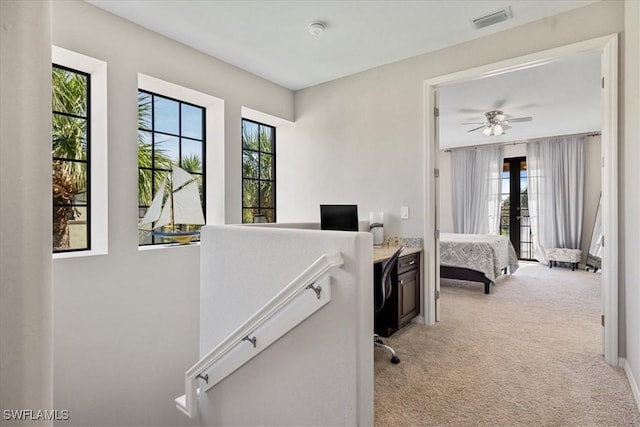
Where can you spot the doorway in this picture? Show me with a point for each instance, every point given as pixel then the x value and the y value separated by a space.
pixel 514 207
pixel 607 48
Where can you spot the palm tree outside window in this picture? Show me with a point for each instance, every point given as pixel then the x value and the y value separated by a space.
pixel 258 172
pixel 170 132
pixel 70 153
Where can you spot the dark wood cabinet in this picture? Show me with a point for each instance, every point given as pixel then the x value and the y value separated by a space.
pixel 404 303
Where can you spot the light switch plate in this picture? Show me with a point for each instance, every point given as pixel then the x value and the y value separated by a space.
pixel 404 212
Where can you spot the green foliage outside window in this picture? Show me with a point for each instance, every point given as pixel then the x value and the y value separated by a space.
pixel 170 132
pixel 258 171
pixel 70 159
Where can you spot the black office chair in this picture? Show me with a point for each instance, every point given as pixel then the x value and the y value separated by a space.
pixel 386 286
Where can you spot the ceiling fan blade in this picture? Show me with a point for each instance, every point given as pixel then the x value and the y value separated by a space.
pixel 473 123
pixel 479 127
pixel 505 127
pixel 519 119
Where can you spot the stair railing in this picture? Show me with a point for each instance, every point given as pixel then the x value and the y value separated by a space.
pixel 233 351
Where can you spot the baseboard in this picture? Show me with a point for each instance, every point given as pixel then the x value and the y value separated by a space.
pixel 632 381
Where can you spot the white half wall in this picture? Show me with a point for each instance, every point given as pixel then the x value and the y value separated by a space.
pixel 320 372
pixel 126 324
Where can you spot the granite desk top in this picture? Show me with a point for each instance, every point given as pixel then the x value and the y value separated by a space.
pixel 383 253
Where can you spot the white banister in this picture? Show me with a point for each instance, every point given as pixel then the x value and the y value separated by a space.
pixel 257 333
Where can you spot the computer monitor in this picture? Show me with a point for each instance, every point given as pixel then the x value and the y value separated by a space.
pixel 339 217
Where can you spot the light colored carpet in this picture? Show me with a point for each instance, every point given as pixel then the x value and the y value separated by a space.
pixel 528 354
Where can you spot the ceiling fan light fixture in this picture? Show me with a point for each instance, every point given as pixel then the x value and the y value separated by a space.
pixel 496 123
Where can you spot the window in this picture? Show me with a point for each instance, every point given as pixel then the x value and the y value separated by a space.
pixel 70 154
pixel 170 133
pixel 79 154
pixel 514 211
pixel 258 172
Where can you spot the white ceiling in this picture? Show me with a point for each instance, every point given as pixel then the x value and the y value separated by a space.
pixel 270 38
pixel 562 98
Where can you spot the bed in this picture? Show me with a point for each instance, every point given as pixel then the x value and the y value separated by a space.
pixel 476 257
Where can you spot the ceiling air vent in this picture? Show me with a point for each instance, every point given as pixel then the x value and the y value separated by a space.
pixel 492 18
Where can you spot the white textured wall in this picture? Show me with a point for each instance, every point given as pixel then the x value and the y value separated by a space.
pixel 321 372
pixel 25 209
pixel 631 196
pixel 126 324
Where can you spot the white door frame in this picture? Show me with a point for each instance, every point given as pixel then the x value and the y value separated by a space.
pixel 608 47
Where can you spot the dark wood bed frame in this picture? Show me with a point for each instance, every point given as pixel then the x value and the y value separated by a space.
pixel 462 273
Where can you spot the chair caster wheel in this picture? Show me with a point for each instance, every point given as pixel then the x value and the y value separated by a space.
pixel 395 360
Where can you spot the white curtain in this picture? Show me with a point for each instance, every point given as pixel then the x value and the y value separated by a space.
pixel 556 193
pixel 476 178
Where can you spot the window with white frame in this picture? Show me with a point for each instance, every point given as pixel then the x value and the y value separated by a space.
pixel 78 154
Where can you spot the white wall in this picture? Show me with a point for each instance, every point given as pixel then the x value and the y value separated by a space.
pixel 631 195
pixel 25 209
pixel 354 141
pixel 126 324
pixel 320 372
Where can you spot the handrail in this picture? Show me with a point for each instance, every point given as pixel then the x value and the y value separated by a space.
pixel 306 280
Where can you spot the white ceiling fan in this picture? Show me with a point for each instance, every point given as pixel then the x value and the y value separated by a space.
pixel 496 123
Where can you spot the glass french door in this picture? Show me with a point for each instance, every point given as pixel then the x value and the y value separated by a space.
pixel 514 208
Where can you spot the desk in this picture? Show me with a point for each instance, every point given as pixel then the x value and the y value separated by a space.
pixel 383 253
pixel 404 302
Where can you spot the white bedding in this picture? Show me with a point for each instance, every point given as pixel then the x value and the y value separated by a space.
pixel 488 254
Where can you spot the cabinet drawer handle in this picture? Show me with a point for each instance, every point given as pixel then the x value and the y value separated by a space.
pixel 401 282
pixel 412 262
